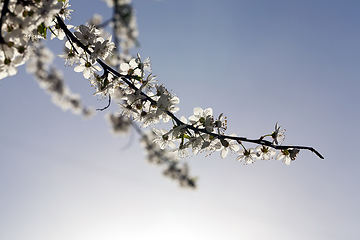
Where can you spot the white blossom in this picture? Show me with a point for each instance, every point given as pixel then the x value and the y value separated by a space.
pixel 287 155
pixel 87 34
pixel 203 118
pixel 278 135
pixel 102 48
pixel 228 146
pixel 247 156
pixel 163 138
pixel 166 103
pixel 181 151
pixel 87 68
pixel 264 152
pixel 130 68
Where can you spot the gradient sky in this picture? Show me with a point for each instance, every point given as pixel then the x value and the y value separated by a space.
pixel 258 62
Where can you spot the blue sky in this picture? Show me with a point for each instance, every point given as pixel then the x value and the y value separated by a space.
pixel 258 62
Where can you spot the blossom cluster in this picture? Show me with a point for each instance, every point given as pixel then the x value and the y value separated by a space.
pixel 52 81
pixel 125 26
pixel 159 156
pixel 203 133
pixel 22 22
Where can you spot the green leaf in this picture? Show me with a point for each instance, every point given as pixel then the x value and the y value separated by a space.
pixel 105 83
pixel 42 29
pixel 186 136
pixel 136 78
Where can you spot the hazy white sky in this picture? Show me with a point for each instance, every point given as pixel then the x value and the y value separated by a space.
pixel 258 62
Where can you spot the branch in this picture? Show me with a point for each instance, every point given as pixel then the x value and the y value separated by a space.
pixel 178 122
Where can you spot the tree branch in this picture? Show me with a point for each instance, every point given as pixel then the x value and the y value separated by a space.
pixel 126 78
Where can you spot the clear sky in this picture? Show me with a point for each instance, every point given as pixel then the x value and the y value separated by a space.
pixel 258 62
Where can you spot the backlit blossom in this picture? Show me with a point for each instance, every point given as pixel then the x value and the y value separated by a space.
pixel 203 118
pixel 70 56
pixel 56 31
pixel 247 156
pixel 102 48
pixel 221 124
pixel 278 135
pixel 166 103
pixel 181 151
pixel 87 34
pixel 130 68
pixel 264 152
pixel 163 138
pixel 64 11
pixel 228 146
pixel 87 68
pixel 287 155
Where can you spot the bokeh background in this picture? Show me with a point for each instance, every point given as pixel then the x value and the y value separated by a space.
pixel 258 62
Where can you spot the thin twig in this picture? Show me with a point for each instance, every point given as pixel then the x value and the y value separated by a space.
pixel 102 109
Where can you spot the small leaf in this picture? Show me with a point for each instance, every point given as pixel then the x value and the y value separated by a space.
pixel 42 29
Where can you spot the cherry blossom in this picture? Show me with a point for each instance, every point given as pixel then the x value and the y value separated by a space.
pixel 228 146
pixel 130 68
pixel 87 68
pixel 203 118
pixel 102 48
pixel 247 156
pixel 287 155
pixel 278 135
pixel 164 138
pixel 264 152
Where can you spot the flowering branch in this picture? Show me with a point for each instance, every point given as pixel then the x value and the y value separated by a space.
pixel 155 154
pixel 143 99
pixel 187 130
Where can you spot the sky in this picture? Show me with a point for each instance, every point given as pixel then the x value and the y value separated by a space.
pixel 258 62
